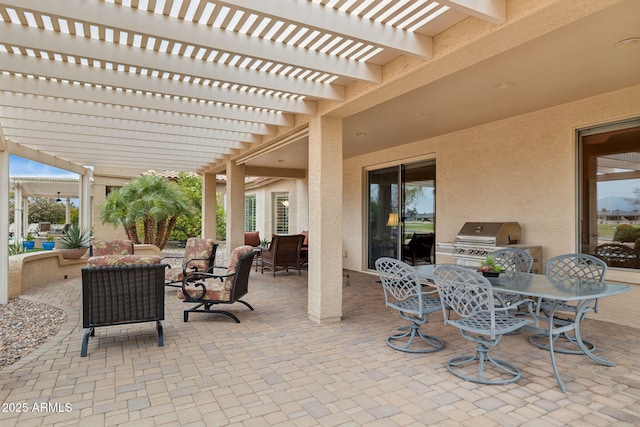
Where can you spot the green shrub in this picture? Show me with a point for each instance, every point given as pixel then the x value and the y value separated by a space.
pixel 626 233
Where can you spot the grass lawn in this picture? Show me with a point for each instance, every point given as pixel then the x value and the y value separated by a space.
pixel 606 231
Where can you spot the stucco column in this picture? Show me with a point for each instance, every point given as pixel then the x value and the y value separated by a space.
pixel 209 204
pixel 84 220
pixel 325 225
pixel 4 224
pixel 235 206
pixel 24 202
pixel 18 202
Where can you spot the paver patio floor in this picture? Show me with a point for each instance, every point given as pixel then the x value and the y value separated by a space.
pixel 278 368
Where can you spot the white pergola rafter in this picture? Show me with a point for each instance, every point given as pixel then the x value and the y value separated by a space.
pixel 96 50
pixel 317 17
pixel 99 126
pixel 123 99
pixel 163 27
pixel 61 138
pixel 44 108
pixel 65 71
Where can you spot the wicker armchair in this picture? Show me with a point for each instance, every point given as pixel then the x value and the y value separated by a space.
pixel 283 253
pixel 115 295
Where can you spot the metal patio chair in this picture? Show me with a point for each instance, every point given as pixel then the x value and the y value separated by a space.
pixel 470 296
pixel 590 270
pixel 403 292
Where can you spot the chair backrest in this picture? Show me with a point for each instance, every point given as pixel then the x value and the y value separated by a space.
pixel 111 247
pixel 240 263
pixel 252 238
pixel 202 252
pixel 287 248
pixel 582 266
pixel 465 292
pixel 305 233
pixel 513 259
pixel 400 282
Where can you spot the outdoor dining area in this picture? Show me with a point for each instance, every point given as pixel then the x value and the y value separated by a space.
pixel 276 367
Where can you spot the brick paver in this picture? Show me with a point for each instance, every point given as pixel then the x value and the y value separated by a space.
pixel 279 368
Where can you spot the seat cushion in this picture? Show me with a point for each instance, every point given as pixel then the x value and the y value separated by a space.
pixel 111 247
pixel 113 260
pixel 216 291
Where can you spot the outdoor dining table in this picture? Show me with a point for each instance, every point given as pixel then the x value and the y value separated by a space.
pixel 558 289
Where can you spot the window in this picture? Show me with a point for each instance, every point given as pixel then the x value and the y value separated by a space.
pixel 401 203
pixel 281 213
pixel 250 213
pixel 610 193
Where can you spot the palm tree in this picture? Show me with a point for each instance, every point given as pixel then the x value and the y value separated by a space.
pixel 150 201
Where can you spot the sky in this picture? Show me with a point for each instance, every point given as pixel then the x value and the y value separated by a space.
pixel 19 166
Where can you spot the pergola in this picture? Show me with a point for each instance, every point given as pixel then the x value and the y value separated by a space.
pixel 285 87
pixel 63 188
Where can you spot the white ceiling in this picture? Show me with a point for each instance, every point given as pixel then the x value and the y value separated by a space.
pixel 185 85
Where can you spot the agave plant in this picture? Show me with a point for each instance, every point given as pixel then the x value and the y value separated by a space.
pixel 15 249
pixel 76 238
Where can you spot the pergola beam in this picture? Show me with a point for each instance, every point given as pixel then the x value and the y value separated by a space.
pixel 125 130
pixel 16 105
pixel 82 47
pixel 124 100
pixel 494 11
pixel 138 83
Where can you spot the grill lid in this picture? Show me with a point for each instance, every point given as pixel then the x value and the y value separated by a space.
pixel 489 233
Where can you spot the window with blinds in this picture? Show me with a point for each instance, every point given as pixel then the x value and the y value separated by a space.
pixel 250 213
pixel 281 213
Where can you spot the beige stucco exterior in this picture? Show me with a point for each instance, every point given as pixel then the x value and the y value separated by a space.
pixel 520 169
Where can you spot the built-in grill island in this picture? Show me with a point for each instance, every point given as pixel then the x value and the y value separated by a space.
pixel 476 240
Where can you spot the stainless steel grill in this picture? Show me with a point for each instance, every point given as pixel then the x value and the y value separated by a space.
pixel 476 240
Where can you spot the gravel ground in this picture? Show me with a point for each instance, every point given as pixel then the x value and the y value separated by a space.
pixel 25 325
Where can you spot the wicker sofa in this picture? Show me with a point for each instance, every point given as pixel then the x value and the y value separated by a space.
pixel 131 291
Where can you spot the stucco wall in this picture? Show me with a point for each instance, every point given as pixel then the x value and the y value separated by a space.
pixel 519 169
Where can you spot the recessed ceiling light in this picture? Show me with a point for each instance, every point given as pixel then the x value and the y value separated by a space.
pixel 631 41
pixel 418 115
pixel 361 134
pixel 503 85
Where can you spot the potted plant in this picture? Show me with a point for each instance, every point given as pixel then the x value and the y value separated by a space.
pixel 29 241
pixel 49 242
pixel 75 242
pixel 489 268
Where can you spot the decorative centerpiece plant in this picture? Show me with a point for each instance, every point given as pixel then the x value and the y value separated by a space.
pixel 489 265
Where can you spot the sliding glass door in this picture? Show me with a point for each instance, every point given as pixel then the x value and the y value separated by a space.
pixel 401 204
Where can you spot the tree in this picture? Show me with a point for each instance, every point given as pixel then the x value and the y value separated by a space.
pixel 46 210
pixel 189 225
pixel 148 206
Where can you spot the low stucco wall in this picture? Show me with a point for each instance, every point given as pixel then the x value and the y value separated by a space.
pixel 37 268
pixel 33 269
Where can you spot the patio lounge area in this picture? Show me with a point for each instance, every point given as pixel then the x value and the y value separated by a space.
pixel 277 367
